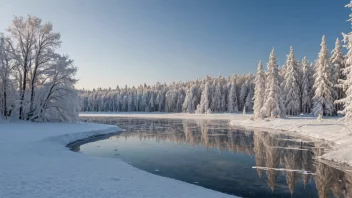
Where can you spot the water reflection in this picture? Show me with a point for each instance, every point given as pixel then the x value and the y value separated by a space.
pixel 275 153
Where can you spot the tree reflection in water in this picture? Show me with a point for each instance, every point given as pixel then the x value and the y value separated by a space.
pixel 274 153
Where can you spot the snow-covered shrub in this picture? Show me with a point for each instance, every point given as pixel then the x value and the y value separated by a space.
pixel 320 118
pixel 209 111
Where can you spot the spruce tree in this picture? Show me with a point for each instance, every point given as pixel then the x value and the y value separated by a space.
pixel 291 86
pixel 323 96
pixel 259 90
pixel 347 71
pixel 204 100
pixel 216 100
pixel 232 99
pixel 337 63
pixel 306 86
pixel 273 106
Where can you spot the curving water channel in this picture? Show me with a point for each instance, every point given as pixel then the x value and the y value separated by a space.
pixel 212 154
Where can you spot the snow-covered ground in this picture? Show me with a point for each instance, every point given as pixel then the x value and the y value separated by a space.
pixel 330 128
pixel 34 162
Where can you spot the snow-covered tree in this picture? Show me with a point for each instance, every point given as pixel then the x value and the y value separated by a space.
pixel 145 100
pixel 36 82
pixel 346 84
pixel 46 42
pixel 160 98
pixel 33 45
pixel 259 90
pixel 249 99
pixel 306 86
pixel 299 65
pixel 130 106
pixel 232 105
pixel 57 100
pixel 243 94
pixel 223 99
pixel 205 99
pixel 137 99
pixel 180 100
pixel 337 63
pixel 216 100
pixel 7 85
pixel 190 104
pixel 323 96
pixel 273 106
pixel 291 87
pixel 151 102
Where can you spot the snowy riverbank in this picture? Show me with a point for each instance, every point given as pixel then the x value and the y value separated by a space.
pixel 330 128
pixel 36 163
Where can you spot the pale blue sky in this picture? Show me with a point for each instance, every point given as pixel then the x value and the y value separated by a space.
pixel 145 41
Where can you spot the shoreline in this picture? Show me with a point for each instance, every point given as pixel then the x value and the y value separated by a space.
pixel 35 162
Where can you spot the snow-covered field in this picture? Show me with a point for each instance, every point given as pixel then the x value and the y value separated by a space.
pixel 330 128
pixel 34 162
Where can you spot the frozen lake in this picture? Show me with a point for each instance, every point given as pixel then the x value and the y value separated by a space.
pixel 212 154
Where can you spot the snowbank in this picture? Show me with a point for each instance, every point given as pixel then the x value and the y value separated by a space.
pixel 330 129
pixel 36 163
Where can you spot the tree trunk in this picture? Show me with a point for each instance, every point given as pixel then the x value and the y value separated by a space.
pixel 5 100
pixel 24 84
pixel 32 91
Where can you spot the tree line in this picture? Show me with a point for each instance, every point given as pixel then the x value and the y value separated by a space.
pixel 320 87
pixel 201 96
pixel 36 82
pixel 298 86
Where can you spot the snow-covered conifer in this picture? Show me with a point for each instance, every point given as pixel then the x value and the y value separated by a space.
pixel 205 99
pixel 180 100
pixel 160 99
pixel 130 105
pixel 216 100
pixel 323 96
pixel 152 102
pixel 224 94
pixel 232 99
pixel 273 106
pixel 259 90
pixel 346 84
pixel 337 63
pixel 249 99
pixel 306 86
pixel 243 94
pixel 291 87
pixel 189 104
